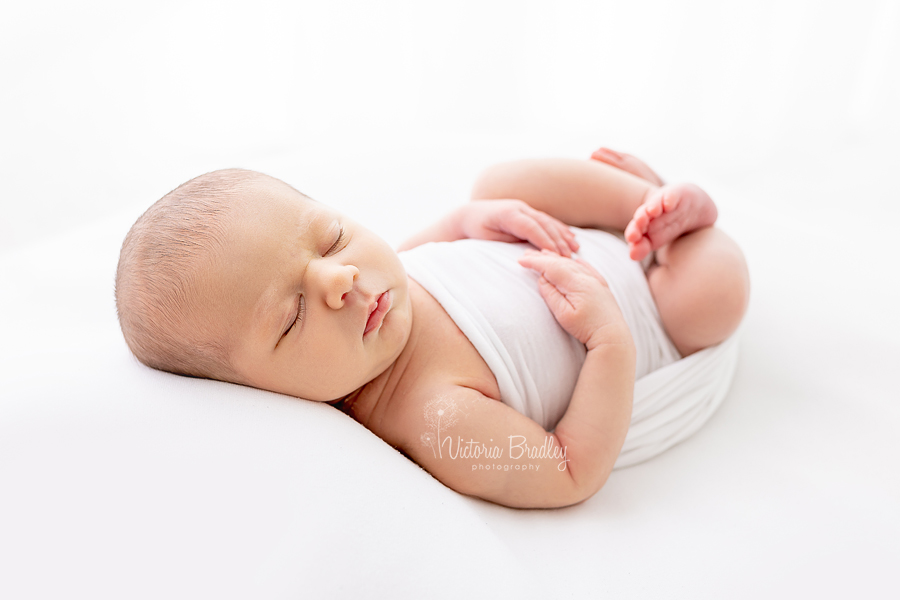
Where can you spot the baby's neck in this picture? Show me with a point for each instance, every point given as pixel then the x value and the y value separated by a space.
pixel 372 399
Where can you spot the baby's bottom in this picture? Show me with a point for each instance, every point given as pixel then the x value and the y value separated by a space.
pixel 700 284
pixel 701 288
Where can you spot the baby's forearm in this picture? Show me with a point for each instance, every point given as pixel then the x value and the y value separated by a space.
pixel 593 428
pixel 584 193
pixel 447 229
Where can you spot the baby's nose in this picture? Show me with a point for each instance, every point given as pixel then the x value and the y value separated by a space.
pixel 341 284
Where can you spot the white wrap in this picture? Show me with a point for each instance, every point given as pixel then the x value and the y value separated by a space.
pixel 495 302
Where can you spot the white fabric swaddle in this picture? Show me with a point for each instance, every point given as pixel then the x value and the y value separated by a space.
pixel 495 302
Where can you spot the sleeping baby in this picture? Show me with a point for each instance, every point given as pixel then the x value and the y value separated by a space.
pixel 576 316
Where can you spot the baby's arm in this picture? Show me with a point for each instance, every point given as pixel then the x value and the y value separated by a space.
pixel 502 221
pixel 450 433
pixel 584 193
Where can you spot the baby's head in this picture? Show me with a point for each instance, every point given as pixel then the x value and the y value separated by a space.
pixel 237 276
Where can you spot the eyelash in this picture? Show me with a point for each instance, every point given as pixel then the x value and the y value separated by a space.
pixel 299 315
pixel 337 244
pixel 302 305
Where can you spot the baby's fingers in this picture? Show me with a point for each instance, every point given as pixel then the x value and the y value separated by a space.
pixel 525 226
pixel 589 268
pixel 553 267
pixel 557 230
pixel 554 299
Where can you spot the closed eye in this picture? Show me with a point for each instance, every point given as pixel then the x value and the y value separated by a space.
pixel 336 247
pixel 301 308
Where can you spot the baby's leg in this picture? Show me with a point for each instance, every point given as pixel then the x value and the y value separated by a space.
pixel 700 282
pixel 584 193
pixel 590 193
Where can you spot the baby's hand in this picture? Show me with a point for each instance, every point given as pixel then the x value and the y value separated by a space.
pixel 579 298
pixel 515 221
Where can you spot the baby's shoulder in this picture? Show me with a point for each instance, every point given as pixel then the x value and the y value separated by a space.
pixel 416 412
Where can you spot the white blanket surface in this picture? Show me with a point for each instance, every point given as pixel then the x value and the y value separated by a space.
pixel 121 482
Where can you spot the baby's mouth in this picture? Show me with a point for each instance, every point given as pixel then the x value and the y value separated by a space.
pixel 376 315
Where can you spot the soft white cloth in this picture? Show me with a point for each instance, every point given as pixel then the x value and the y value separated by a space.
pixel 125 482
pixel 496 303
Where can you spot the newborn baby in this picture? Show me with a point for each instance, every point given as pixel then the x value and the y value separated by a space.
pixel 237 276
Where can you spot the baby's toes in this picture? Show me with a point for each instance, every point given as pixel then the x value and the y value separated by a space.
pixel 642 217
pixel 654 206
pixel 632 233
pixel 639 250
pixel 638 225
pixel 665 229
pixel 670 200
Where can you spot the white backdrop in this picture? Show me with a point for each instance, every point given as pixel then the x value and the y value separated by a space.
pixel 785 111
pixel 108 104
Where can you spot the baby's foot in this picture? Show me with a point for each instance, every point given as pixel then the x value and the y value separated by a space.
pixel 627 163
pixel 668 213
